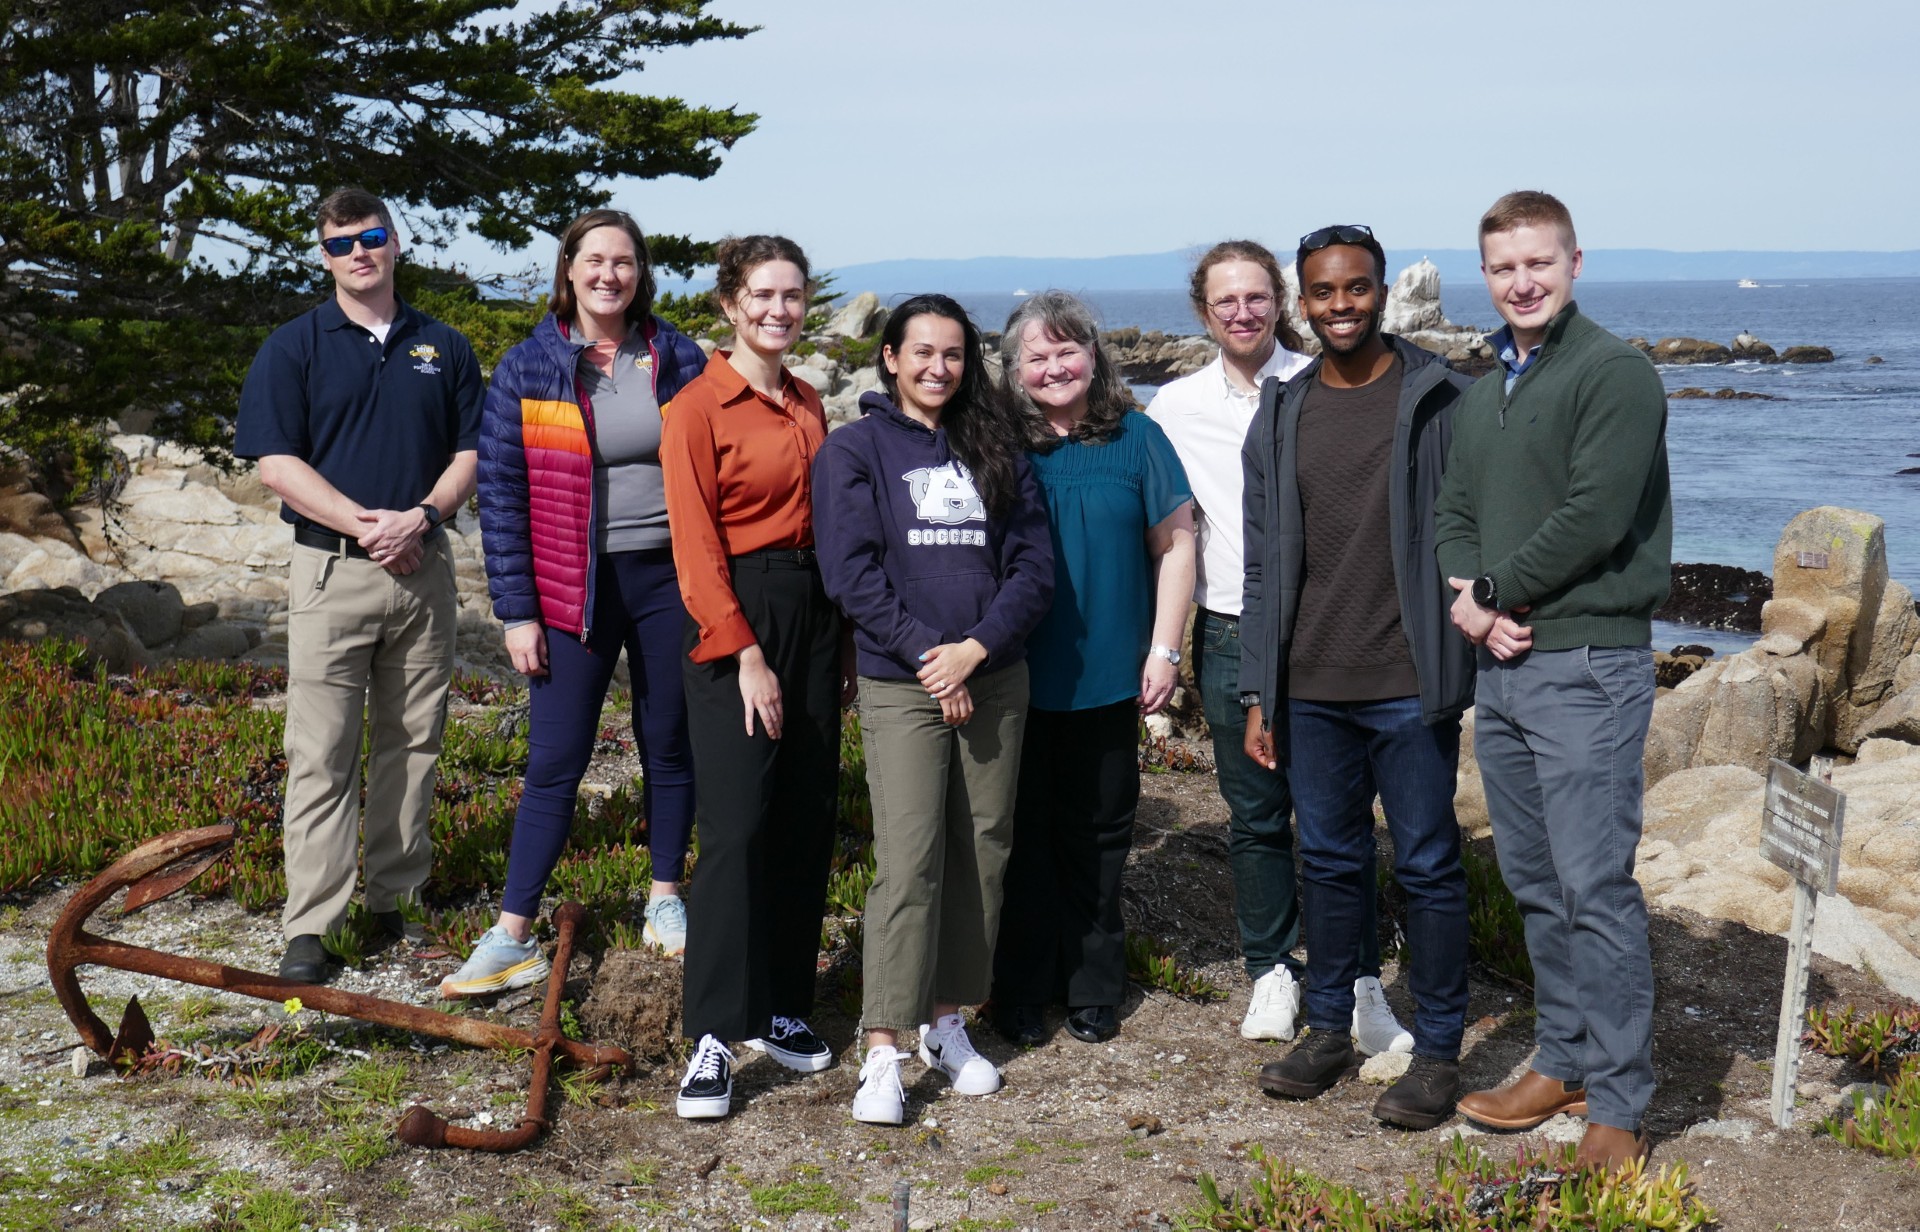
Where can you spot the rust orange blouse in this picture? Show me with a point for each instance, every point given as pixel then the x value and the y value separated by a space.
pixel 738 473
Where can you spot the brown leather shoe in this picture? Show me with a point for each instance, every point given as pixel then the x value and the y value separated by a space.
pixel 1525 1102
pixel 1607 1148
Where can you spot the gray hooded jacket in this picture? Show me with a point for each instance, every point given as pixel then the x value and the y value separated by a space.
pixel 1276 535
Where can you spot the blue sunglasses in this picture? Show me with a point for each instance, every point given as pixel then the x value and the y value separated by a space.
pixel 370 239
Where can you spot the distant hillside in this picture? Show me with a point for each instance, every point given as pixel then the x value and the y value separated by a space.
pixel 1147 271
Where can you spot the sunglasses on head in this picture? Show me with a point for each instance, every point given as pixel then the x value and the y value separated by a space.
pixel 1354 233
pixel 370 239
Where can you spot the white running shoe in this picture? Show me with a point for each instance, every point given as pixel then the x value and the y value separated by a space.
pixel 707 1090
pixel 880 1099
pixel 1375 1029
pixel 666 926
pixel 497 963
pixel 1273 1007
pixel 945 1047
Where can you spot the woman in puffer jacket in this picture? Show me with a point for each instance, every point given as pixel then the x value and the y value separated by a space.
pixel 573 516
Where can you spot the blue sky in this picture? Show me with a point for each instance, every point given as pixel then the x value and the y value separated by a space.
pixel 894 129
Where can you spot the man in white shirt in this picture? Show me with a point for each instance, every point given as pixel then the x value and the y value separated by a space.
pixel 1236 291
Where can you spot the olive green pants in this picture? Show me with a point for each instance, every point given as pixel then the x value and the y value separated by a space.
pixel 942 830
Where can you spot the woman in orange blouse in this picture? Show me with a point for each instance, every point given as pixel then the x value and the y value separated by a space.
pixel 763 678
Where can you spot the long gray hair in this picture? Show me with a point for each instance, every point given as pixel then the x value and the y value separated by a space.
pixel 1064 318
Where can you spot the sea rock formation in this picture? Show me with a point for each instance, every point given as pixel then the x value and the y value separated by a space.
pixel 1834 642
pixel 1807 355
pixel 1689 351
pixel 1724 395
pixel 1748 347
pixel 1716 597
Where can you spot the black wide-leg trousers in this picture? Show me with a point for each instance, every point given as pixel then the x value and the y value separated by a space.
pixel 1061 931
pixel 765 809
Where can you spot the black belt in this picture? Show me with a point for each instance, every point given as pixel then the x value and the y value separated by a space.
pixel 339 545
pixel 778 558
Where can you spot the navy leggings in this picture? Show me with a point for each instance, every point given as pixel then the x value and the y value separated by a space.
pixel 636 604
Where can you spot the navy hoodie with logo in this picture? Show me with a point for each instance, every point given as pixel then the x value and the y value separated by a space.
pixel 908 552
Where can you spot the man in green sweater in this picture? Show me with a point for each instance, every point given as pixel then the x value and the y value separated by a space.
pixel 1555 512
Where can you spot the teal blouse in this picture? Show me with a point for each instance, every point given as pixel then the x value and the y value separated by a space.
pixel 1101 500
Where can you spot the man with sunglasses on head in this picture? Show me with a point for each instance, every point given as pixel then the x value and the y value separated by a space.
pixel 1557 512
pixel 1235 291
pixel 364 416
pixel 1358 680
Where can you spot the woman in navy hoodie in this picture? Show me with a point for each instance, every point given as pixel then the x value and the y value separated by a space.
pixel 933 540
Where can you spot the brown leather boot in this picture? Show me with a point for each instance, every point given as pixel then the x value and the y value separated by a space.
pixel 1606 1148
pixel 1525 1102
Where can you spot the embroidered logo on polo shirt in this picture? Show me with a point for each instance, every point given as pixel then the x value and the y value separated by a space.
pixel 643 362
pixel 945 494
pixel 426 353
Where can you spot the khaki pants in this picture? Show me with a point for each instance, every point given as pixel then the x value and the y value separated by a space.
pixel 942 827
pixel 362 641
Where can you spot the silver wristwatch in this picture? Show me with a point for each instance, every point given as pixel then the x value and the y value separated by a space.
pixel 1166 652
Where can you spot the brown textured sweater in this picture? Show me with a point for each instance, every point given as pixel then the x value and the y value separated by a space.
pixel 1348 645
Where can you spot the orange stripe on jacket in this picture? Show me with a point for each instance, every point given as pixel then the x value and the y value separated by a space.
pixel 553 424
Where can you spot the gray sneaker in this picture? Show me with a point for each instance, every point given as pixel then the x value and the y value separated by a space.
pixel 497 963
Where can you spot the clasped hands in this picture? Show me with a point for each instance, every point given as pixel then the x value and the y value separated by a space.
pixel 393 538
pixel 944 676
pixel 1498 631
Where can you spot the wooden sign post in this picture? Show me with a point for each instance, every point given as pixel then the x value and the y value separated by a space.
pixel 1800 824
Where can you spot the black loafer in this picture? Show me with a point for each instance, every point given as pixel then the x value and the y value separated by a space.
pixel 305 961
pixel 1095 1024
pixel 1021 1025
pixel 395 927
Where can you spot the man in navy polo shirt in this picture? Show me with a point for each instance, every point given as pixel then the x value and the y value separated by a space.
pixel 364 415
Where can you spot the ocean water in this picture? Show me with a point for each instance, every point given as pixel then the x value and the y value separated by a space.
pixel 1741 470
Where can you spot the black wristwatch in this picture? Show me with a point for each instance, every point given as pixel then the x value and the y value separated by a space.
pixel 433 516
pixel 1484 593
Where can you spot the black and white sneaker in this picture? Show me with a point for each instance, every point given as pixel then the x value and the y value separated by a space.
pixel 707 1090
pixel 794 1045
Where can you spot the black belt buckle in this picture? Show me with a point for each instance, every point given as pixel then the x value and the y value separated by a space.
pixel 327 541
pixel 799 558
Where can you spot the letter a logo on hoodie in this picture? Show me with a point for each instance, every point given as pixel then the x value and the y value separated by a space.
pixel 945 494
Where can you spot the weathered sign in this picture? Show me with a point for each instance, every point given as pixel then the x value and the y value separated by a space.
pixel 1800 826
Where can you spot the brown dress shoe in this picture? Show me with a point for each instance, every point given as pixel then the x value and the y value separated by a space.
pixel 1607 1148
pixel 1527 1101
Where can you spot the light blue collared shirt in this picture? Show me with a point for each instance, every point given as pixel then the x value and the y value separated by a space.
pixel 1508 352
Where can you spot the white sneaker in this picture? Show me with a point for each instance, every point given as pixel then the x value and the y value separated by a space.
pixel 880 1099
pixel 1375 1029
pixel 945 1047
pixel 1273 1007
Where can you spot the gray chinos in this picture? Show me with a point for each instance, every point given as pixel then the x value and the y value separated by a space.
pixel 1559 737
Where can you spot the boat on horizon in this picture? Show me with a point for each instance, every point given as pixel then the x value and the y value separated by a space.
pixel 1747 284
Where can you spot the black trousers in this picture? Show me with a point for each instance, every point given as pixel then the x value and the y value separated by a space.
pixel 1061 933
pixel 765 810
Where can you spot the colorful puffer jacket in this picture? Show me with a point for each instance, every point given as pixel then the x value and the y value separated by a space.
pixel 536 472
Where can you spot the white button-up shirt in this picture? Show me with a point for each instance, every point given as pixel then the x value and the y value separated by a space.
pixel 1207 420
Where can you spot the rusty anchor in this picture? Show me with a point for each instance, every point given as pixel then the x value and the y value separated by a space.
pixel 167 864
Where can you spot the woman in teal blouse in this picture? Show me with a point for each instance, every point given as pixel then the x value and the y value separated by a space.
pixel 1106 653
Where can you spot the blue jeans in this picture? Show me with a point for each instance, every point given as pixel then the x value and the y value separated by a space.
pixel 1559 737
pixel 1259 829
pixel 1342 755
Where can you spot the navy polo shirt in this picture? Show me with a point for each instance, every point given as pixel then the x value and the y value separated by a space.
pixel 380 423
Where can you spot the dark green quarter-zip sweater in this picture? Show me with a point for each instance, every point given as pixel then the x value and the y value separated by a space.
pixel 1558 489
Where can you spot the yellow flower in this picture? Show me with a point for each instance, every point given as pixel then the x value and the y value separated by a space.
pixel 292 1005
